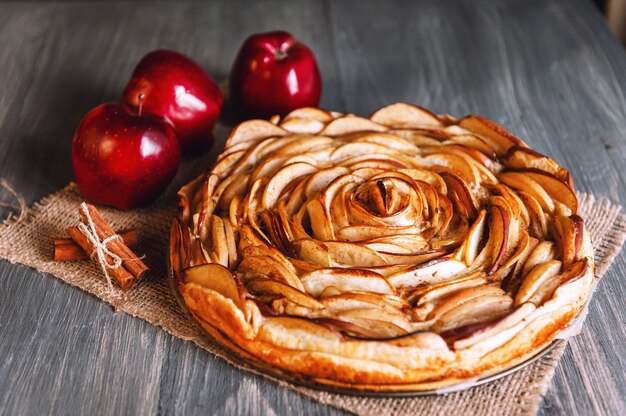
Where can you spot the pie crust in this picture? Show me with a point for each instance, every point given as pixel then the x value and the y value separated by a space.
pixel 404 251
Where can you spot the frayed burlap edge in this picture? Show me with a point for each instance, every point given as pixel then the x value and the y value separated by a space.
pixel 27 240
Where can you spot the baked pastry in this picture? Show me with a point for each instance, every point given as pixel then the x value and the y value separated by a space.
pixel 404 251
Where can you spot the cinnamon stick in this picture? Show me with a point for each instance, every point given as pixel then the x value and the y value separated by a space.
pixel 66 249
pixel 122 277
pixel 131 262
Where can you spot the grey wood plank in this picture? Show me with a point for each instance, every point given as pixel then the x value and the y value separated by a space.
pixel 76 359
pixel 548 71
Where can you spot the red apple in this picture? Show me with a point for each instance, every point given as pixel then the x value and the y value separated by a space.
pixel 173 86
pixel 274 74
pixel 121 159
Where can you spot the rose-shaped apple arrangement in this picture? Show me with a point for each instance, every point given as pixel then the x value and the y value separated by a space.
pixel 125 154
pixel 401 248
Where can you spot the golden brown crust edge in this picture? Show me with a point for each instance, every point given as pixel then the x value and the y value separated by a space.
pixel 312 369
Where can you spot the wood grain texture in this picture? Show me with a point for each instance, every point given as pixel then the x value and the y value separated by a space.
pixel 550 72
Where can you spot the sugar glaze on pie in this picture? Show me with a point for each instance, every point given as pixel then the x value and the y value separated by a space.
pixel 404 251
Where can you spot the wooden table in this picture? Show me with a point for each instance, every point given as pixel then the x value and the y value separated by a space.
pixel 549 71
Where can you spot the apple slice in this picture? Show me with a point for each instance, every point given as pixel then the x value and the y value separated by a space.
pixel 512 199
pixel 539 284
pixel 302 125
pixel 499 223
pixel 241 147
pixel 462 296
pixel 426 340
pixel 579 225
pixel 471 306
pixel 219 245
pixel 224 166
pixel 258 251
pixel 566 237
pixel 476 143
pixel 524 157
pixel 312 251
pixel 492 133
pixel 544 252
pixel 461 195
pixel 294 333
pixel 303 266
pixel 420 137
pixel 512 282
pixel 578 270
pixel 265 266
pixel 427 176
pixel 387 248
pixel 496 330
pixel 177 250
pixel 388 140
pixel 249 237
pixel 354 149
pixel 379 322
pixel 468 250
pixel 407 243
pixel 310 113
pixel 434 271
pixel 273 287
pixel 405 115
pixel 463 151
pixel 185 234
pixel 268 167
pixel 474 237
pixel 319 180
pixel 210 307
pixel 282 178
pixel 230 243
pixel 253 130
pixel 521 249
pixel 412 258
pixel 235 187
pixel 556 188
pixel 385 163
pixel 359 300
pixel 186 196
pixel 199 255
pixel 321 223
pixel 262 150
pixel 350 124
pixel 348 329
pixel 345 280
pixel 217 278
pixel 304 144
pixel 522 182
pixel 446 289
pixel 293 202
pixel 454 164
pixel 363 232
pixel 537 222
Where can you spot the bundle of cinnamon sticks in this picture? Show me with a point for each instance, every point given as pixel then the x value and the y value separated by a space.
pixel 95 238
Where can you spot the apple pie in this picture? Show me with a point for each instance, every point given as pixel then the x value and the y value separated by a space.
pixel 404 251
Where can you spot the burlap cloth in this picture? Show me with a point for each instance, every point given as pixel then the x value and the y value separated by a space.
pixel 28 241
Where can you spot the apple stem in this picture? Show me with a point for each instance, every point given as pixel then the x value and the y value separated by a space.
pixel 280 54
pixel 140 99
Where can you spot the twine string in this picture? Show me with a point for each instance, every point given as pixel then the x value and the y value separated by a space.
pixel 22 208
pixel 100 247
